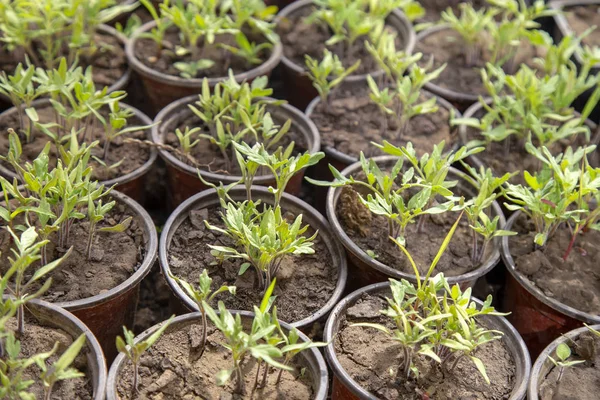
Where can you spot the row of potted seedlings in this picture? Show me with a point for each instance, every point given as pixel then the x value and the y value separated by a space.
pixel 407 215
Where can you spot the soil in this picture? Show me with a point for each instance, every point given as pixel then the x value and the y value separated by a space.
pixel 581 18
pixel 352 122
pixel 109 63
pixel 372 359
pixel 300 39
pixel 370 233
pixel 37 339
pixel 578 382
pixel 147 51
pixel 134 155
pixel 575 282
pixel 208 155
pixel 169 370
pixel 447 47
pixel 304 282
pixel 434 8
pixel 115 257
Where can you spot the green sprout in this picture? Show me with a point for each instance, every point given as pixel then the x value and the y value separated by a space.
pixel 563 353
pixel 328 73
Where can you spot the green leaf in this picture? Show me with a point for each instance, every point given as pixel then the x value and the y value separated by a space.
pixel 481 368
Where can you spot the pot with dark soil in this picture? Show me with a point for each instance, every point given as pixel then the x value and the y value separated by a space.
pixel 366 216
pixel 568 367
pixel 378 350
pixel 189 139
pixel 108 242
pixel 470 39
pixel 553 282
pixel 310 280
pixel 48 332
pixel 302 37
pixel 173 53
pixel 173 368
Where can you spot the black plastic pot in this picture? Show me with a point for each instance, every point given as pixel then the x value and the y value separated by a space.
pixel 342 160
pixel 183 179
pixel 538 318
pixel 346 388
pixel 163 89
pixel 543 365
pixel 310 216
pixel 366 270
pixel 131 184
pixel 298 85
pixel 50 315
pixel 312 358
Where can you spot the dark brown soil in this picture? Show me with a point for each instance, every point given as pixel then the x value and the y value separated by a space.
pixel 578 382
pixel 208 155
pixel 300 38
pixel 134 155
pixel 109 63
pixel 575 282
pixel 115 257
pixel 162 61
pixel 370 232
pixel 168 370
pixel 447 47
pixel 353 121
pixel 39 339
pixel 583 17
pixel 372 359
pixel 304 283
pixel 434 8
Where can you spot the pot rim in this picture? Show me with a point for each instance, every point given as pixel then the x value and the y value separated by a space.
pixel 119 180
pixel 311 134
pixel 510 334
pixel 397 13
pixel 317 359
pixel 95 354
pixel 138 66
pixel 347 159
pixel 181 213
pixel 561 21
pixel 353 248
pixel 542 364
pixel 509 262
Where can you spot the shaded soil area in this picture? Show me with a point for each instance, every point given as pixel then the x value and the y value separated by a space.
pixel 115 257
pixel 131 155
pixel 575 282
pixel 579 381
pixel 163 60
pixel 170 370
pixel 447 47
pixel 372 359
pixel 38 339
pixel 300 38
pixel 352 121
pixel 108 64
pixel 304 282
pixel 583 17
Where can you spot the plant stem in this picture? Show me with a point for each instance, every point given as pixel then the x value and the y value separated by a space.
pixel 456 361
pixel 571 243
pixel 474 255
pixel 281 372
pixel 90 240
pixel 240 379
pixel 204 328
pixel 265 377
pixel 258 364
pixel 20 318
pixel 48 394
pixel 135 378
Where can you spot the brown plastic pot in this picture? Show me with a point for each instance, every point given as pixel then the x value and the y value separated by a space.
pixel 543 365
pixel 50 315
pixel 346 388
pixel 164 89
pixel 106 313
pixel 538 318
pixel 131 184
pixel 366 270
pixel 298 85
pixel 183 179
pixel 310 216
pixel 342 160
pixel 312 358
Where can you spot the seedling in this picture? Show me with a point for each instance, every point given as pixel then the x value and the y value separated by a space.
pixel 328 73
pixel 133 351
pixel 201 294
pixel 563 353
pixel 435 320
pixel 19 87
